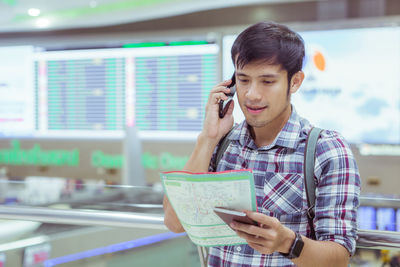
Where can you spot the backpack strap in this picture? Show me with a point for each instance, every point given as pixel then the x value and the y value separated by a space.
pixel 223 145
pixel 309 163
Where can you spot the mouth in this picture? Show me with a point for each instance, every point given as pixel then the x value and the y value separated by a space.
pixel 255 109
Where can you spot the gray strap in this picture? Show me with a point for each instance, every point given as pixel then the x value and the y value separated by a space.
pixel 309 163
pixel 223 145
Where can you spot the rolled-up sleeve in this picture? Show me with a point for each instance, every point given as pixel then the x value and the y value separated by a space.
pixel 338 190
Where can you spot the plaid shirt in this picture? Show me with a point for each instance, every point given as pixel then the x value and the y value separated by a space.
pixel 278 177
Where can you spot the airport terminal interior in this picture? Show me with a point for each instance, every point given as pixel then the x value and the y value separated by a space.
pixel 100 99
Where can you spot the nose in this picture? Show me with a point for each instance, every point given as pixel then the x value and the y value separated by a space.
pixel 253 93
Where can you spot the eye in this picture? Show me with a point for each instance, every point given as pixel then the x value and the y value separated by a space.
pixel 268 82
pixel 243 80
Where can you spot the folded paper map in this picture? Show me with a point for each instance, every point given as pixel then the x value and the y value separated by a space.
pixel 194 195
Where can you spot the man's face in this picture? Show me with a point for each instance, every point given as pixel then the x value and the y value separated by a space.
pixel 262 91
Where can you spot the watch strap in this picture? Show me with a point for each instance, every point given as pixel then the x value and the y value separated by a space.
pixel 295 248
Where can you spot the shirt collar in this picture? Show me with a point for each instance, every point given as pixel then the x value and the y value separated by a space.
pixel 288 137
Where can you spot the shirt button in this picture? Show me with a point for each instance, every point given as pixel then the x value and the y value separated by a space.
pixel 238 249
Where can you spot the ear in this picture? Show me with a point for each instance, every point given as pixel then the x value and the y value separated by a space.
pixel 296 81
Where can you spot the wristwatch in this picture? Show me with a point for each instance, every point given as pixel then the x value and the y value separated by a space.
pixel 296 248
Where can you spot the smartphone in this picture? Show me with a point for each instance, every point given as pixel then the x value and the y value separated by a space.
pixel 229 215
pixel 224 105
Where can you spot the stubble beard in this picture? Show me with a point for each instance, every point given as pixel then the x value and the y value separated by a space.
pixel 259 124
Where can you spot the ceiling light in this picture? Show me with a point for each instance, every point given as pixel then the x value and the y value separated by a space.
pixel 34 12
pixel 93 4
pixel 42 23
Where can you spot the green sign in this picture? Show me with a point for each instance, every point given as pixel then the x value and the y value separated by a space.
pixel 10 2
pixel 165 161
pixel 99 159
pixel 37 156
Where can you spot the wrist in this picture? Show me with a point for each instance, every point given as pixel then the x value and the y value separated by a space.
pixel 287 241
pixel 296 248
pixel 207 141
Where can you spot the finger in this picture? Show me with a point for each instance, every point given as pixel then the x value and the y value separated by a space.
pixel 251 238
pixel 230 109
pixel 248 229
pixel 225 83
pixel 266 234
pixel 216 97
pixel 261 231
pixel 265 220
pixel 218 89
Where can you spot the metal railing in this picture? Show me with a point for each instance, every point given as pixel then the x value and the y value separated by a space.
pixel 375 239
pixel 371 239
pixel 83 217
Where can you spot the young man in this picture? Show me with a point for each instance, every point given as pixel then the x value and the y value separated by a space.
pixel 268 59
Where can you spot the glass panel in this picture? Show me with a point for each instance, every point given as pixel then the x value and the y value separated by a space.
pixel 29 243
pixel 92 237
pixel 379 212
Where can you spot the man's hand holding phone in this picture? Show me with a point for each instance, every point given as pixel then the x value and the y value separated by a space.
pixel 224 104
pixel 229 216
pixel 215 127
pixel 268 236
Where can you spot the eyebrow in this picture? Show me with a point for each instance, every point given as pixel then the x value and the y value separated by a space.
pixel 261 76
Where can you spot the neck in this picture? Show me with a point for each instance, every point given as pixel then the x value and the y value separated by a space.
pixel 265 135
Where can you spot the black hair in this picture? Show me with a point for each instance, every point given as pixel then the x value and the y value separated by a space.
pixel 269 42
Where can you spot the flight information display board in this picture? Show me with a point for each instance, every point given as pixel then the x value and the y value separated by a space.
pixel 81 93
pixel 386 219
pixel 172 90
pixel 85 94
pixel 98 92
pixel 366 218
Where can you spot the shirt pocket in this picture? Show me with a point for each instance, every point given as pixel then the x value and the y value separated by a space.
pixel 283 194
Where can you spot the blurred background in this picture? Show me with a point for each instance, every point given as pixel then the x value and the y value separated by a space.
pixel 98 97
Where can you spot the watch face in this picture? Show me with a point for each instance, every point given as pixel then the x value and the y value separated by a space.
pixel 297 247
